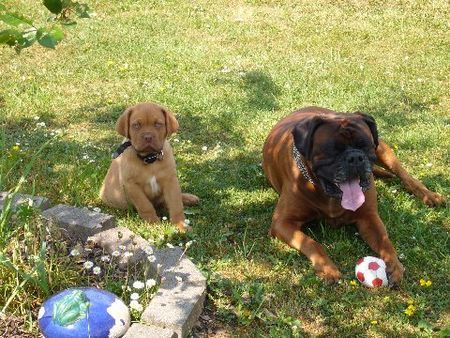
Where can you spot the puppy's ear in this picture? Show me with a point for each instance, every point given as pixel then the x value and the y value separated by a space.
pixel 171 122
pixel 123 123
pixel 370 121
pixel 303 134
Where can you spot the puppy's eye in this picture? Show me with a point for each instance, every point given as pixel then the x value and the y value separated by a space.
pixel 158 125
pixel 136 125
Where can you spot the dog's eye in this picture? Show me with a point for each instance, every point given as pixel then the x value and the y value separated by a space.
pixel 158 125
pixel 136 125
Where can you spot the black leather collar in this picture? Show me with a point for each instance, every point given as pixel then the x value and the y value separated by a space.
pixel 150 158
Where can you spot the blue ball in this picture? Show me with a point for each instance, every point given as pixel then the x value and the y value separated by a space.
pixel 84 312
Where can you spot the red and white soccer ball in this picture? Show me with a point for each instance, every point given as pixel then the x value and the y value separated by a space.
pixel 371 272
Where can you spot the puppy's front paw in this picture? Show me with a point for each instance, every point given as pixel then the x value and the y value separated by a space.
pixel 189 199
pixel 183 227
pixel 150 217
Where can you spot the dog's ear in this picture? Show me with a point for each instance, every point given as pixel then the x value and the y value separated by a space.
pixel 370 121
pixel 123 123
pixel 171 122
pixel 303 134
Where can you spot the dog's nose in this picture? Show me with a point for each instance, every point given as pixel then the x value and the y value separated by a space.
pixel 148 137
pixel 355 158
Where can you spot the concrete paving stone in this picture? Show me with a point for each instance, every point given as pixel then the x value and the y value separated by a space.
pixel 78 223
pixel 176 307
pixel 149 331
pixel 18 199
pixel 111 239
pixel 179 300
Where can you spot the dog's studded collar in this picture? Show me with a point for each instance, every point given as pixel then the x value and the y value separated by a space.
pixel 150 158
pixel 300 164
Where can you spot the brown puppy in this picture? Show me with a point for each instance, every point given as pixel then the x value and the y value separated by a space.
pixel 143 172
pixel 320 162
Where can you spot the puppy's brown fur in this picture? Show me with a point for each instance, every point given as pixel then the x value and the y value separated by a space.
pixel 130 180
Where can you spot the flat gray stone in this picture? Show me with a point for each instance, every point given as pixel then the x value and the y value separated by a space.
pixel 179 300
pixel 78 223
pixel 176 307
pixel 143 331
pixel 113 238
pixel 18 199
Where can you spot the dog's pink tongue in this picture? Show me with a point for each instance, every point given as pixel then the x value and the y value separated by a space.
pixel 352 195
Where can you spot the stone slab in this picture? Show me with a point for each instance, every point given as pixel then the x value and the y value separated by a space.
pixel 149 331
pixel 113 238
pixel 175 307
pixel 179 300
pixel 78 223
pixel 18 199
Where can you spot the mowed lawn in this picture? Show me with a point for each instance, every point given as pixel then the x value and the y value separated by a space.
pixel 230 70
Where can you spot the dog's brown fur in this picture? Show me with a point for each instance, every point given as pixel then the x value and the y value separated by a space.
pixel 301 201
pixel 145 186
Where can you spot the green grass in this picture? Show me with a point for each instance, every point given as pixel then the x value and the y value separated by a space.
pixel 230 71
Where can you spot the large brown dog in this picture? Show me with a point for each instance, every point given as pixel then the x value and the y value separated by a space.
pixel 320 162
pixel 143 172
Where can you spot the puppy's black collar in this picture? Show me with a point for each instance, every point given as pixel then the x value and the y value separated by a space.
pixel 150 158
pixel 300 164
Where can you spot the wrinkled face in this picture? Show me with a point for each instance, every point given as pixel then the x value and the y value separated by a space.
pixel 343 151
pixel 147 129
pixel 147 125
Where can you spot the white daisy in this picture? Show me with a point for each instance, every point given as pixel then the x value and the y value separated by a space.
pixel 138 285
pixel 97 270
pixel 134 296
pixel 127 254
pixel 75 252
pixel 150 283
pixel 135 305
pixel 88 265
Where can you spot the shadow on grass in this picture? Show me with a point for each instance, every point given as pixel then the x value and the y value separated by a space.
pixel 261 91
pixel 399 108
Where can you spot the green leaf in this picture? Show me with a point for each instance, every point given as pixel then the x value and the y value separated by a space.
pixel 54 6
pixel 2 7
pixel 68 3
pixel 29 38
pixel 10 37
pixel 82 11
pixel 15 20
pixel 49 38
pixel 57 33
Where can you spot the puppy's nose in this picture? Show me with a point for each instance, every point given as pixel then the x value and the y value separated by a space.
pixel 148 137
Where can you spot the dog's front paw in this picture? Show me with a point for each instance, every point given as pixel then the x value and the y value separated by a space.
pixel 395 271
pixel 329 273
pixel 432 199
